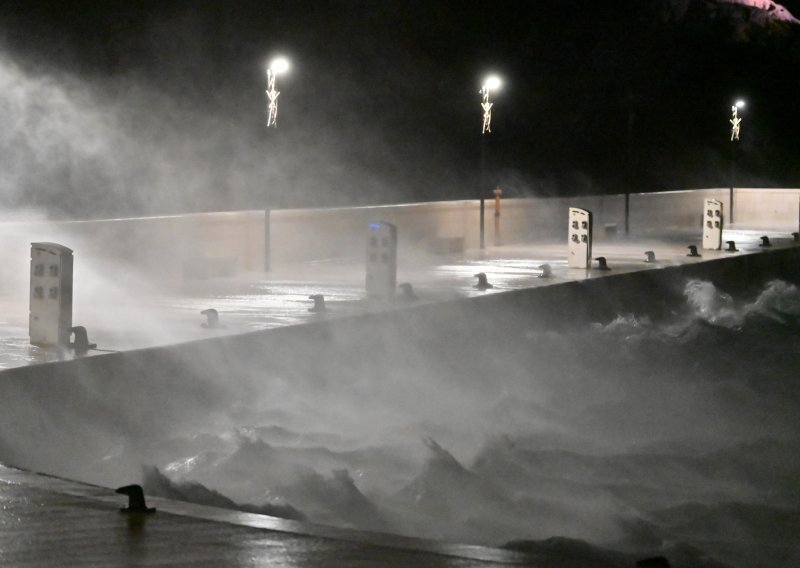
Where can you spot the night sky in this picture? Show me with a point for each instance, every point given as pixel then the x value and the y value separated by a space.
pixel 382 101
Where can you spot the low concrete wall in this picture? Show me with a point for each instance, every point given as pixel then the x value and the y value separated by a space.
pixel 318 234
pixel 174 248
pixel 755 208
pixel 671 210
pixel 162 249
pixel 779 208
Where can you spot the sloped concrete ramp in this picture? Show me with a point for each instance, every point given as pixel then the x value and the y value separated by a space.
pixel 48 521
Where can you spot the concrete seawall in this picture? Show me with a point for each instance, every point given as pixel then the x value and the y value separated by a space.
pixel 157 392
pixel 172 249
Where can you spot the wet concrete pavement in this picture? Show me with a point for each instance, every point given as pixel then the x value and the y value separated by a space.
pixel 124 319
pixel 47 521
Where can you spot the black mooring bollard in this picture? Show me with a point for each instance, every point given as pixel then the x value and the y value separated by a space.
pixel 407 292
pixel 483 283
pixel 81 344
pixel 136 503
pixel 319 303
pixel 212 318
pixel 547 272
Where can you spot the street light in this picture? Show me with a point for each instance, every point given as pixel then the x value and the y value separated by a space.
pixel 276 67
pixel 736 125
pixel 491 83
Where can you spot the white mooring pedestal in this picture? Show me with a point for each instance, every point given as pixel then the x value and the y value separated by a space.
pixel 580 238
pixel 713 223
pixel 381 261
pixel 50 316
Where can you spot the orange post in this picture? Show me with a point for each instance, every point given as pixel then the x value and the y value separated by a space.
pixel 497 193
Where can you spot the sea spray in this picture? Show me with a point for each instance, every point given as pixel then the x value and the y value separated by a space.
pixel 633 433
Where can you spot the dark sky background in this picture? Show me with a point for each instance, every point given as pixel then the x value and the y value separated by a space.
pixel 120 108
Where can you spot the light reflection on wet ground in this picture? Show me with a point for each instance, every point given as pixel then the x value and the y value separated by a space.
pixel 281 298
pixel 40 515
pixel 16 351
pixel 267 304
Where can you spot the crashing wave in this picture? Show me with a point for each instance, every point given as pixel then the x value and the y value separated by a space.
pixel 157 484
pixel 334 500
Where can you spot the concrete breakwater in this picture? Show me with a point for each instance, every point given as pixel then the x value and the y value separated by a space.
pixel 636 411
pixel 49 410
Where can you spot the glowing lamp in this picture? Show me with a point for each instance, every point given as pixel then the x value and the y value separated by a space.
pixel 279 65
pixel 492 83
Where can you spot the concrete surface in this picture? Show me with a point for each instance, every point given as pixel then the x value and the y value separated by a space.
pixel 47 521
pixel 122 319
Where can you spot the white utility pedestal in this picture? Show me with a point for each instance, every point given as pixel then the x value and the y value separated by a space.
pixel 713 223
pixel 580 238
pixel 50 316
pixel 381 261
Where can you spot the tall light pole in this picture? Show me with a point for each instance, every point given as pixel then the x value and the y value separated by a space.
pixel 276 67
pixel 736 125
pixel 491 83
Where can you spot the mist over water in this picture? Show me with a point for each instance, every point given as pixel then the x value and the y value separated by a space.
pixel 90 148
pixel 643 434
pixel 87 147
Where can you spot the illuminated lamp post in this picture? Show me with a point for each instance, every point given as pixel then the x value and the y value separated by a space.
pixel 736 125
pixel 276 67
pixel 497 193
pixel 491 83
